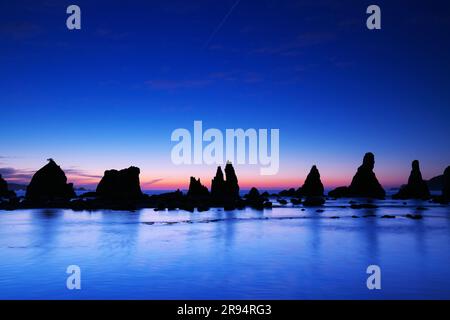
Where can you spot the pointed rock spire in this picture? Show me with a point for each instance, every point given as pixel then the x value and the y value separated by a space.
pixel 218 184
pixel 313 186
pixel 231 183
pixel 416 188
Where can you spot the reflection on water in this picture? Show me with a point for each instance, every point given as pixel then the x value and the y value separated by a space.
pixel 283 253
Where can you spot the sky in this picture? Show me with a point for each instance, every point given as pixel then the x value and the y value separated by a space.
pixel 111 94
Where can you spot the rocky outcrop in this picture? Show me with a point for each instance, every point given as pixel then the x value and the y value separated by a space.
pixel 4 191
pixel 218 185
pixel 416 188
pixel 231 183
pixel 120 185
pixel 446 188
pixel 196 189
pixel 49 183
pixel 364 183
pixel 313 186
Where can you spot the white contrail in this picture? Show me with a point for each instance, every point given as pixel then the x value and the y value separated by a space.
pixel 211 37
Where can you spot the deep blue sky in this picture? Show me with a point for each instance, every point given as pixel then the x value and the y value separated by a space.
pixel 109 95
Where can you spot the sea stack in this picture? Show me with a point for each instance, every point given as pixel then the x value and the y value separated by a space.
pixel 416 188
pixel 225 189
pixel 218 185
pixel 313 186
pixel 364 183
pixel 49 183
pixel 312 189
pixel 231 183
pixel 196 189
pixel 446 187
pixel 120 185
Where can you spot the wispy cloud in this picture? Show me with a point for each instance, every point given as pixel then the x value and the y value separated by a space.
pixel 16 175
pixel 25 175
pixel 177 84
pixel 294 47
pixel 210 79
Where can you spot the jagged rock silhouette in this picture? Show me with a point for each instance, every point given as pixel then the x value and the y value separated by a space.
pixel 49 183
pixel 416 188
pixel 120 185
pixel 313 186
pixel 196 189
pixel 364 183
pixel 446 188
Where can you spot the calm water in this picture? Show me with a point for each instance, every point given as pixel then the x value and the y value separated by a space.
pixel 283 253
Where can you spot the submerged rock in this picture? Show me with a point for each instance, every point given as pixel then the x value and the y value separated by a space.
pixel 364 183
pixel 49 183
pixel 120 185
pixel 416 188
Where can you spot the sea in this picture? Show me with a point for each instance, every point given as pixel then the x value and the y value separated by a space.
pixel 287 252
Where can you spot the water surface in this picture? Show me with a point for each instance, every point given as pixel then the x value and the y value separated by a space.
pixel 282 253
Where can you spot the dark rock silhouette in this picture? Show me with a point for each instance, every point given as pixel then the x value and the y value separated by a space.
pixel 225 190
pixel 253 195
pixel 364 183
pixel 312 187
pixel 49 183
pixel 436 183
pixel 231 183
pixel 218 185
pixel 4 191
pixel 255 200
pixel 196 189
pixel 446 187
pixel 120 185
pixel 339 192
pixel 290 193
pixel 416 188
